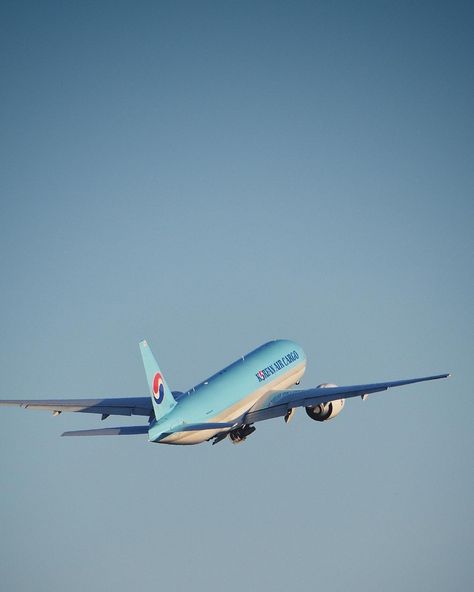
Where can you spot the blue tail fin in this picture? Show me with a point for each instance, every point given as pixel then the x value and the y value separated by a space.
pixel 161 396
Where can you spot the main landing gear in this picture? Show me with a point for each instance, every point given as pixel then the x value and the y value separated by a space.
pixel 240 434
pixel 236 436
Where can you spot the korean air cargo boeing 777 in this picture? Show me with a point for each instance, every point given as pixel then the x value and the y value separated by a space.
pixel 254 388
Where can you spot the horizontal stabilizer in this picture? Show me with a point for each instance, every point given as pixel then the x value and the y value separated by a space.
pixel 119 431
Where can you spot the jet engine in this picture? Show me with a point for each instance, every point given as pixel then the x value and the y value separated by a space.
pixel 325 411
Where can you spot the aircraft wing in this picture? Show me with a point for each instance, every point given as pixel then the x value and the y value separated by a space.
pixel 105 407
pixel 278 403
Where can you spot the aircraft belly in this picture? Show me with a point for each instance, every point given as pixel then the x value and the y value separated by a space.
pixel 189 438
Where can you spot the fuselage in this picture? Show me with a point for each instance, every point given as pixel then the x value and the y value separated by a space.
pixel 230 393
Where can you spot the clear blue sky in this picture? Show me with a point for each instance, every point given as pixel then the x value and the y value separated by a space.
pixel 210 175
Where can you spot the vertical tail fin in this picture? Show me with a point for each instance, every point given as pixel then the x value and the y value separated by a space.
pixel 161 396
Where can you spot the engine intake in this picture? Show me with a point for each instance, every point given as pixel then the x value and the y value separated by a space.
pixel 326 411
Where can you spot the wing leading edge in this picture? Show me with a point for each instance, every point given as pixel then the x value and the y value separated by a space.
pixel 278 403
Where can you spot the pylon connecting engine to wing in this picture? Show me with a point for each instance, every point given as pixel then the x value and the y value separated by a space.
pixel 325 411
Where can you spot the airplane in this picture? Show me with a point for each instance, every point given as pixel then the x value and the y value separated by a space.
pixel 254 388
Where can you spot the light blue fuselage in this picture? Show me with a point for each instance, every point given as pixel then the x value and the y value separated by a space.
pixel 230 393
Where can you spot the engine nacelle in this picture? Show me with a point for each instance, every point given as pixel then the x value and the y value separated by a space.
pixel 325 411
